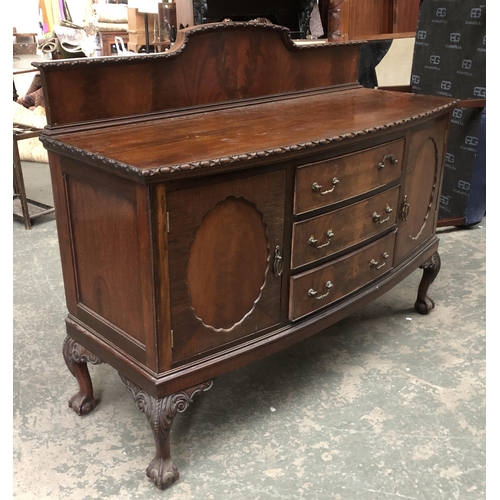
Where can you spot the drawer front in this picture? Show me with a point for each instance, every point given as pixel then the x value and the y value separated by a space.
pixel 322 236
pixel 315 289
pixel 323 183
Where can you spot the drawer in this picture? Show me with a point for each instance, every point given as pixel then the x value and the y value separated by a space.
pixel 323 183
pixel 322 236
pixel 324 285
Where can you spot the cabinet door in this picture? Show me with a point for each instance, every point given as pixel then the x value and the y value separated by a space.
pixel 422 187
pixel 222 241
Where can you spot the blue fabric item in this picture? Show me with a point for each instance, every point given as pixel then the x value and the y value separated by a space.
pixel 476 206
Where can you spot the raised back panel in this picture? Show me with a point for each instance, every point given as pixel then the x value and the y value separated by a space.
pixel 208 64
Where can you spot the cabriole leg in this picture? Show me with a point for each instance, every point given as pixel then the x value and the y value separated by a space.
pixel 431 267
pixel 160 414
pixel 76 358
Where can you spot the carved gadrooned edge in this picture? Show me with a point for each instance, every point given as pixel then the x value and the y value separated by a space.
pixel 261 23
pixel 228 160
pixel 78 353
pixel 183 37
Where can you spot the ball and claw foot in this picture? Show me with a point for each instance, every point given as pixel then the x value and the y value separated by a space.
pixel 424 304
pixel 82 404
pixel 163 472
pixel 76 358
pixel 160 414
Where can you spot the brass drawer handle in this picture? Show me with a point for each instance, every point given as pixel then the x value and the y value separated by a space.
pixel 375 264
pixel 314 242
pixel 405 209
pixel 313 293
pixel 317 187
pixel 278 261
pixel 389 157
pixel 376 217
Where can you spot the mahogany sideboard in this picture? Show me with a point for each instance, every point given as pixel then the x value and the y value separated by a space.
pixel 224 200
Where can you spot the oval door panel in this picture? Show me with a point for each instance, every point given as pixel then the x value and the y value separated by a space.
pixel 422 191
pixel 228 262
pixel 419 200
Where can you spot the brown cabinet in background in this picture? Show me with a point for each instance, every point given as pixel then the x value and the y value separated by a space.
pixel 371 19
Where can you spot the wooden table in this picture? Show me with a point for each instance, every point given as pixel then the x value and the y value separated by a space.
pixel 107 39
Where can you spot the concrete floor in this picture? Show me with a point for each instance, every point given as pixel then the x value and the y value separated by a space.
pixel 385 404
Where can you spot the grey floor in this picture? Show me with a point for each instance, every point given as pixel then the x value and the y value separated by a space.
pixel 386 404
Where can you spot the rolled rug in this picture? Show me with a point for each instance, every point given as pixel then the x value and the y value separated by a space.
pixel 48 45
pixel 72 40
pixel 75 42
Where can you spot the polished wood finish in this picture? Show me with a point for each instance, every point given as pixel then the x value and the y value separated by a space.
pixel 324 235
pixel 422 187
pixel 185 208
pixel 345 177
pixel 316 289
pixel 225 287
pixel 405 16
pixel 107 40
pixel 189 75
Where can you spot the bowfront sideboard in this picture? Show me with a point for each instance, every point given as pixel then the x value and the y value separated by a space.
pixel 224 200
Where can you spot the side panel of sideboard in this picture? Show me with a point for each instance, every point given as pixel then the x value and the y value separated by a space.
pixel 103 223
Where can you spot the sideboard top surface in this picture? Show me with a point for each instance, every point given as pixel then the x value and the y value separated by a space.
pixel 242 133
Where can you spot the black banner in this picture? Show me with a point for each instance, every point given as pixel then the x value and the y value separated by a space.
pixel 450 60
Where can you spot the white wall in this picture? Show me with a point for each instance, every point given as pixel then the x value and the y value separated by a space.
pixel 395 67
pixel 80 10
pixel 25 16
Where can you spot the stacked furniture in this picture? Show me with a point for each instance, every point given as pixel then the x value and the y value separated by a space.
pixel 371 19
pixel 238 194
pixel 136 30
pixel 24 43
pixel 111 21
